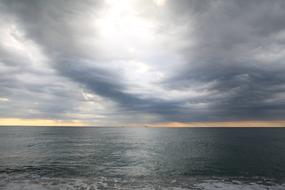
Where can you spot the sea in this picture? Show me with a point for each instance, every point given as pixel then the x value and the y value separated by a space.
pixel 89 158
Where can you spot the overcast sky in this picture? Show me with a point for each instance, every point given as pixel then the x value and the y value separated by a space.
pixel 141 62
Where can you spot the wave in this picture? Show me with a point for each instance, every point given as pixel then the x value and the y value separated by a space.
pixel 21 182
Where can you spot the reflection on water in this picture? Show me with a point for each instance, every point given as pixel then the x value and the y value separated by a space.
pixel 153 156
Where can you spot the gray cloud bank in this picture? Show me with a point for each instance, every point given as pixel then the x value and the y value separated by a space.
pixel 113 63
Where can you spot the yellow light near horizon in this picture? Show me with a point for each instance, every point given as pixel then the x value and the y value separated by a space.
pixel 277 123
pixel 38 122
pixel 47 122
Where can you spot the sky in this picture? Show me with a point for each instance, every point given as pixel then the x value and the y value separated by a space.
pixel 142 62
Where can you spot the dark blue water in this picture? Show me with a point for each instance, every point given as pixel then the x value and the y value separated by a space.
pixel 142 158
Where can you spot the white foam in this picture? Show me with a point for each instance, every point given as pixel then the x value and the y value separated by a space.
pixel 217 185
pixel 48 185
pixel 19 183
pixel 17 186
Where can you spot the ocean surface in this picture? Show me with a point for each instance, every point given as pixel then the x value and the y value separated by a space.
pixel 142 158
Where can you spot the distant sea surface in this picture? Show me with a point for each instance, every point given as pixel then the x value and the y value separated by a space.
pixel 142 158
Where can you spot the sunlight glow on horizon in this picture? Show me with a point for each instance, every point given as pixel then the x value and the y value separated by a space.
pixel 277 123
pixel 38 122
pixel 74 123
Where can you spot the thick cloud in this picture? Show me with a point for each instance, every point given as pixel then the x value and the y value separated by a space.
pixel 240 52
pixel 118 62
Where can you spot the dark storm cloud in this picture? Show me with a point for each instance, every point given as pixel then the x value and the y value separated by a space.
pixel 235 61
pixel 34 90
pixel 56 34
pixel 237 45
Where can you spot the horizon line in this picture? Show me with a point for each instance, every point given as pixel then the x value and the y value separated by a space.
pixel 76 123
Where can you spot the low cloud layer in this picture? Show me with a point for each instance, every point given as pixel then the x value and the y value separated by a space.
pixel 141 62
